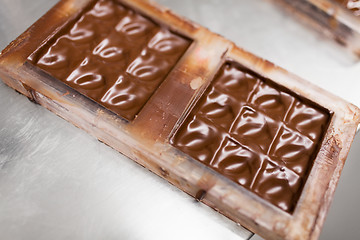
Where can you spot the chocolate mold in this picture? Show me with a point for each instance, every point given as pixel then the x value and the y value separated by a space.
pixel 145 134
pixel 338 19
pixel 252 132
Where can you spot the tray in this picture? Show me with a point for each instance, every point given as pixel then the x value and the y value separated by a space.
pixel 149 145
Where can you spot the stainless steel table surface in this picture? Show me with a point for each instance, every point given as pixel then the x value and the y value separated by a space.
pixel 57 182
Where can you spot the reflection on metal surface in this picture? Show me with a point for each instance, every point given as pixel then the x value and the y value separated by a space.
pixel 267 31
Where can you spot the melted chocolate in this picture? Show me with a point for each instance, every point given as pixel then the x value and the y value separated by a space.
pixel 113 55
pixel 256 133
pixel 352 5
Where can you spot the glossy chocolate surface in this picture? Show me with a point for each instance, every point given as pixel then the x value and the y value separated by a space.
pixel 256 133
pixel 113 55
pixel 352 5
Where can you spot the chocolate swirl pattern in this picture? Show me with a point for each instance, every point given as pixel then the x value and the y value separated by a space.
pixel 200 139
pixel 237 162
pixel 113 55
pixel 255 133
pixel 219 108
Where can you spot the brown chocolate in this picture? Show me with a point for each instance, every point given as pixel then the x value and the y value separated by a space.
pixel 113 55
pixel 352 5
pixel 258 134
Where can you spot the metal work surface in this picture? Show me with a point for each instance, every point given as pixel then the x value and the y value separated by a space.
pixel 58 182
